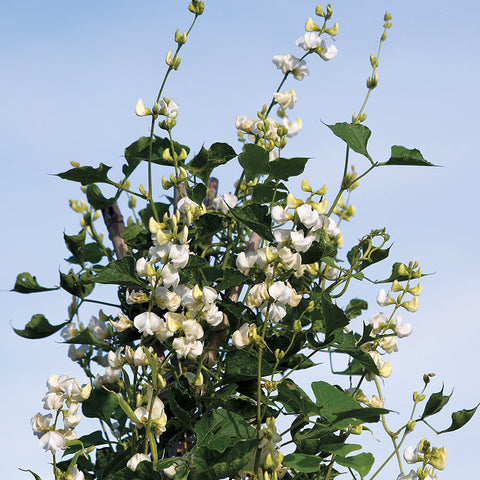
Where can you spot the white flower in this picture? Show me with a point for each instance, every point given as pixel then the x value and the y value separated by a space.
pixel 166 299
pixel 69 332
pixel 76 474
pixel 389 344
pixel 402 330
pixel 309 217
pixel 40 423
pixel 379 320
pixel 135 297
pixel 243 336
pixel 115 359
pixel 412 455
pixel 171 471
pixel 242 123
pixel 184 348
pixel 100 330
pixel 122 324
pixel 301 242
pixel 293 127
pixel 384 368
pixel 289 63
pixel 257 295
pixel 225 202
pixel 52 441
pixel 273 155
pixel 147 323
pixel 282 236
pixel 141 267
pixel 327 52
pixel 246 260
pixel 290 260
pixel 185 202
pixel 53 401
pixel 407 476
pixel 309 41
pixel 168 108
pixel 178 255
pixel 286 99
pixel 192 329
pixel 71 419
pixel 383 299
pixel 140 109
pixel 138 458
pixel 279 215
pixel 170 276
pixel 213 316
pixel 330 226
pixel 280 292
pixel 274 313
pixel 139 357
pixel 77 353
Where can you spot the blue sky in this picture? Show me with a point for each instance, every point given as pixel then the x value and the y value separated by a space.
pixel 72 73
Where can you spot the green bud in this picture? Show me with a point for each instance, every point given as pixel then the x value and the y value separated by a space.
pixel 332 31
pixel 373 61
pixel 329 12
pixel 410 426
pixel 180 39
pixel 387 17
pixel 319 11
pixel 297 326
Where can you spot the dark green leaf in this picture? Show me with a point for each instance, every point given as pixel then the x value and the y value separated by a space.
pixel 85 337
pixel 101 404
pixel 121 272
pixel 295 400
pixel 147 212
pixel 355 307
pixel 354 135
pixel 459 419
pixel 37 477
pixel 358 251
pixel 255 217
pixel 137 237
pixel 96 198
pixel 139 151
pixel 39 327
pixel 231 278
pixel 254 160
pixel 362 462
pixel 435 403
pixel 395 275
pixel 340 448
pixel 80 286
pixel 208 225
pixel 76 244
pixel 91 253
pixel 365 414
pixel 198 193
pixel 265 192
pixel 406 156
pixel 206 160
pixel 334 318
pixel 182 415
pixel 241 365
pixel 94 438
pixel 87 175
pixel 25 283
pixel 284 168
pixel 297 361
pixel 303 463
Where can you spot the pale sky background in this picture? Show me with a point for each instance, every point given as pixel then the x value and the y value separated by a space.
pixel 71 75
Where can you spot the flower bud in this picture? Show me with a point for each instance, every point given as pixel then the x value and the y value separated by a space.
pixel 143 191
pixel 297 326
pixel 373 61
pixel 166 155
pixel 166 184
pixel 311 26
pixel 306 186
pixel 410 426
pixel 396 287
pixel 180 39
pixel 387 17
pixel 416 290
pixel 183 155
pixel 402 270
pixel 412 305
pixel 319 11
pixel 329 12
pixel 332 31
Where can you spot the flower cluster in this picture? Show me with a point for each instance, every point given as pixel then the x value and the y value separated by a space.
pixel 63 397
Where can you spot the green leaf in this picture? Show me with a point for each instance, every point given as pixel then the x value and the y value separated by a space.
pixel 303 463
pixel 284 168
pixel 354 135
pixel 101 404
pixel 206 160
pixel 25 283
pixel 139 151
pixel 91 253
pixel 365 414
pixel 182 415
pixel 221 429
pixel 332 402
pixel 395 275
pixel 254 160
pixel 295 399
pixel 255 217
pixel 355 307
pixel 85 337
pixel 359 250
pixel 362 462
pixel 39 327
pixel 96 198
pixel 80 286
pixel 147 212
pixel 87 175
pixel 406 156
pixel 435 403
pixel 37 477
pixel 198 193
pixel 137 237
pixel 265 192
pixel 231 278
pixel 208 225
pixel 459 419
pixel 340 448
pixel 297 361
pixel 76 244
pixel 94 438
pixel 241 365
pixel 121 272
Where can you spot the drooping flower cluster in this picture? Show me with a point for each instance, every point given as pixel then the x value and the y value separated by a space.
pixel 64 396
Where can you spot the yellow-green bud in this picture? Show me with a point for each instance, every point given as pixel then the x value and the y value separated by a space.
pixel 74 164
pixel 143 191
pixel 387 17
pixel 410 426
pixel 197 292
pixel 319 11
pixel 329 12
pixel 416 290
pixel 162 383
pixel 306 186
pixel 180 39
pixel 311 26
pixel 412 305
pixel 83 188
pixel 166 155
pixel 132 202
pixel 297 326
pixel 279 354
pixel 332 31
pixel 166 184
pixel 396 287
pixel 198 380
pixel 418 273
pixel 322 191
pixel 373 61
pixel 169 59
pixel 357 430
pixel 402 270
pixel 183 155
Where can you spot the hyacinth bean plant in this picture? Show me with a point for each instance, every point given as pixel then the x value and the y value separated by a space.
pixel 221 298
